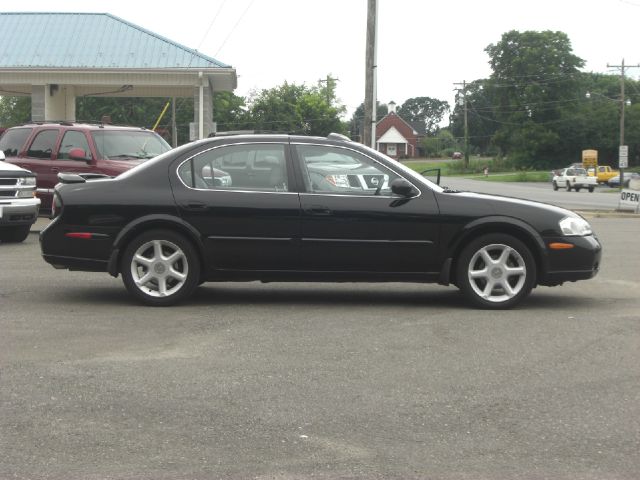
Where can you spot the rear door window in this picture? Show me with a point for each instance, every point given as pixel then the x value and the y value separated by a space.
pixel 258 167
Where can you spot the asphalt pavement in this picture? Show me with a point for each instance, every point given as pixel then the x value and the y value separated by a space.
pixel 319 381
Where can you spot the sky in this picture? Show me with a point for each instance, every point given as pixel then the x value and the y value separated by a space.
pixel 424 46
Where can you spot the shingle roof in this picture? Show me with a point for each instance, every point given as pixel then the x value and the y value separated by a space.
pixel 89 40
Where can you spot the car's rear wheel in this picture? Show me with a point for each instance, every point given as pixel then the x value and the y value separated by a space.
pixel 591 188
pixel 14 234
pixel 160 267
pixel 577 188
pixel 568 186
pixel 496 271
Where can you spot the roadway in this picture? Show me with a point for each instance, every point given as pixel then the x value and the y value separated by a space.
pixel 322 381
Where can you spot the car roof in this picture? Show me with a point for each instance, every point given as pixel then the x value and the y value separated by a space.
pixel 331 139
pixel 86 126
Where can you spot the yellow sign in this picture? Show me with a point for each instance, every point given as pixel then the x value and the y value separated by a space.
pixel 589 158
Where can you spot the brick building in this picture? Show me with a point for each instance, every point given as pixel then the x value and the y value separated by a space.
pixel 396 137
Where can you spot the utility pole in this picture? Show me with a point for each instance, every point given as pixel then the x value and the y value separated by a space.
pixel 466 122
pixel 370 101
pixel 623 152
pixel 331 87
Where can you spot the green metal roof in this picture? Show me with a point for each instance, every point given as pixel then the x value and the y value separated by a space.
pixel 89 40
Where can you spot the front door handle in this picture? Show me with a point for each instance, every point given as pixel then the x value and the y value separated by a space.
pixel 55 170
pixel 319 210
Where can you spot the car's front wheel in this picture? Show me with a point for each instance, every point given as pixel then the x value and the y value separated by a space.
pixel 496 271
pixel 160 267
pixel 14 234
pixel 555 185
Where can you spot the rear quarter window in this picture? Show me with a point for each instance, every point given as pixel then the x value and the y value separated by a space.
pixel 13 140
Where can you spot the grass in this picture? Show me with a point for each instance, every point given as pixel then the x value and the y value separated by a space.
pixel 522 176
pixel 498 172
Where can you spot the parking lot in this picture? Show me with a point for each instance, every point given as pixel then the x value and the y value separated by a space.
pixel 319 380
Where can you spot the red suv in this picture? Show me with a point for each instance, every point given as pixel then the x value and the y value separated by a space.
pixel 87 149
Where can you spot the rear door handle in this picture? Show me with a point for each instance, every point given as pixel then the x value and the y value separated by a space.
pixel 55 169
pixel 195 206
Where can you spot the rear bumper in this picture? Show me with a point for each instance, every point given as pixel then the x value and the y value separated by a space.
pixel 75 263
pixel 580 262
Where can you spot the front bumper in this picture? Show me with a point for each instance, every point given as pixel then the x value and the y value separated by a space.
pixel 15 211
pixel 580 262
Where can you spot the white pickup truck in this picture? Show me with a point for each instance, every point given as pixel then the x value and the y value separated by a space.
pixel 574 177
pixel 18 203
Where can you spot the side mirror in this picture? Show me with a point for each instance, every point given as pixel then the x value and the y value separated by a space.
pixel 2 157
pixel 403 188
pixel 78 154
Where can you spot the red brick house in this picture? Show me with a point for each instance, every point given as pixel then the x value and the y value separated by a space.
pixel 396 137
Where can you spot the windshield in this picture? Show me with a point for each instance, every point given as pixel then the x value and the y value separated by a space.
pixel 129 144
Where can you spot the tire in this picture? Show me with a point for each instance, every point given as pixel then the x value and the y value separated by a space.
pixel 591 189
pixel 577 188
pixel 14 234
pixel 568 186
pixel 484 286
pixel 555 186
pixel 160 268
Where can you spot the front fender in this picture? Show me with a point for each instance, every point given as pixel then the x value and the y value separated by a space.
pixel 499 224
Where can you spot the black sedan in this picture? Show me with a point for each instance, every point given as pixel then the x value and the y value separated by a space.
pixel 293 208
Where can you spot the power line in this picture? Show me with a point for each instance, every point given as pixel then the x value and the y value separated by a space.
pixel 206 33
pixel 235 26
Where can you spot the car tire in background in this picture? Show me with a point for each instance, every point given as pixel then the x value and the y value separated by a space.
pixel 555 185
pixel 160 267
pixel 14 234
pixel 496 271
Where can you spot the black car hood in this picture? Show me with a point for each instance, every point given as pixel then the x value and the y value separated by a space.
pixel 501 203
pixel 543 217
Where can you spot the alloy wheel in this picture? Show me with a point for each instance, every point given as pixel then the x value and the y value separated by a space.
pixel 497 273
pixel 159 268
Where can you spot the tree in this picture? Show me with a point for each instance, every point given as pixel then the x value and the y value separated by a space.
pixel 356 124
pixel 442 144
pixel 229 111
pixel 425 110
pixel 296 108
pixel 534 80
pixel 14 110
pixel 480 117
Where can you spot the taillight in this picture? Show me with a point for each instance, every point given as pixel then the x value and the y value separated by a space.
pixel 56 205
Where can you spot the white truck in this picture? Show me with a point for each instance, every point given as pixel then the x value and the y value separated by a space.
pixel 18 203
pixel 574 178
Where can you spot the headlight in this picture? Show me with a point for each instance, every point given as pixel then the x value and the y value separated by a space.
pixel 26 193
pixel 27 181
pixel 575 226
